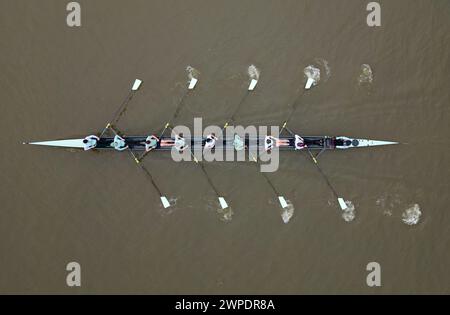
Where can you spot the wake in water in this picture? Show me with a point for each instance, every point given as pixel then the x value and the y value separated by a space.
pixel 366 75
pixel 226 214
pixel 349 213
pixel 319 70
pixel 169 210
pixel 325 68
pixel 390 203
pixel 312 72
pixel 253 72
pixel 192 72
pixel 288 212
pixel 411 216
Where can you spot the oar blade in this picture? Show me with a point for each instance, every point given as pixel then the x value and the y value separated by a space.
pixel 342 203
pixel 252 85
pixel 192 83
pixel 137 83
pixel 283 202
pixel 309 83
pixel 223 203
pixel 165 202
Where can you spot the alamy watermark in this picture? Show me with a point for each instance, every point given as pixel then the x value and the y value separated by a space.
pixel 373 279
pixel 73 278
pixel 74 16
pixel 253 147
pixel 374 17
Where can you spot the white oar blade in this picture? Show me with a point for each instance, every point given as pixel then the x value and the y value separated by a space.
pixel 192 83
pixel 137 83
pixel 252 85
pixel 165 202
pixel 283 202
pixel 309 83
pixel 342 203
pixel 223 203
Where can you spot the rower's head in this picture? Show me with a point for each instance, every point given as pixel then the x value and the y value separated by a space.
pixel 85 141
pixel 147 141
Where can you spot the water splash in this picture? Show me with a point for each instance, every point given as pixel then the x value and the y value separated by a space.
pixel 169 210
pixel 366 75
pixel 253 72
pixel 225 215
pixel 411 216
pixel 349 213
pixel 312 72
pixel 192 72
pixel 288 212
pixel 323 64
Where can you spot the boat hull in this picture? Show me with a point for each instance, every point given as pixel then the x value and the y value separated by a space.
pixel 136 143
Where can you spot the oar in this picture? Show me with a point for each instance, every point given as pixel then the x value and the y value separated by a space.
pixel 281 199
pixel 251 87
pixel 341 201
pixel 119 112
pixel 222 201
pixel 163 198
pixel 191 86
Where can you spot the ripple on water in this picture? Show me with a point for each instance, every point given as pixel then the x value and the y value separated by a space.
pixel 411 216
pixel 312 72
pixel 192 72
pixel 366 75
pixel 253 72
pixel 288 212
pixel 349 213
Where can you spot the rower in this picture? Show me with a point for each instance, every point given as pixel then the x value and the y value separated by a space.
pixel 210 142
pixel 151 143
pixel 180 143
pixel 270 142
pixel 119 143
pixel 90 142
pixel 299 143
pixel 238 143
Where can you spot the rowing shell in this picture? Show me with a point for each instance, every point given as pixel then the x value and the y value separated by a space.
pixel 137 143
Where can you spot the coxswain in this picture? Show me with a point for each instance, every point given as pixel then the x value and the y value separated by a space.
pixel 90 142
pixel 151 143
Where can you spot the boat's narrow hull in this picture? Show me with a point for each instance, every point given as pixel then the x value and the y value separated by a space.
pixel 348 143
pixel 136 143
pixel 68 143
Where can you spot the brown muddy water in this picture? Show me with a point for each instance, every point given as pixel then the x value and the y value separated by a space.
pixel 99 209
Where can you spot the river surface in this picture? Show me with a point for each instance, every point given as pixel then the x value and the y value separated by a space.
pixel 100 210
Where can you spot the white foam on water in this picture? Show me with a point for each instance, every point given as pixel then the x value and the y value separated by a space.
pixel 192 72
pixel 253 72
pixel 166 211
pixel 411 216
pixel 348 214
pixel 312 72
pixel 287 212
pixel 366 75
pixel 225 215
pixel 323 64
